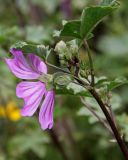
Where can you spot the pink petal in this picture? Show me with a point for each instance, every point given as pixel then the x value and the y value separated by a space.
pixel 24 89
pixel 36 63
pixel 20 67
pixel 46 111
pixel 19 56
pixel 32 93
pixel 19 72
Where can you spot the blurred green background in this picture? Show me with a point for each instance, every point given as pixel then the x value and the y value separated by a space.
pixel 76 134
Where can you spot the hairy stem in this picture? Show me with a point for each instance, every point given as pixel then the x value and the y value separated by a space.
pixel 90 62
pixel 116 134
pixel 58 68
pixel 112 115
pixel 110 120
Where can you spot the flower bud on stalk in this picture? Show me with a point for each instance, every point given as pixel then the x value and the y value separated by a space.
pixel 60 47
pixel 73 48
pixel 68 53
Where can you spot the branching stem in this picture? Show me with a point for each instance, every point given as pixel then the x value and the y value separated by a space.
pixel 75 77
pixel 109 118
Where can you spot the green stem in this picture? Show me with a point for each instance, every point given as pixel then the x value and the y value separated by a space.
pixel 58 68
pixel 90 62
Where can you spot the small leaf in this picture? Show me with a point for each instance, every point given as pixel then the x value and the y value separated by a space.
pixel 91 16
pixel 117 82
pixel 103 81
pixel 100 80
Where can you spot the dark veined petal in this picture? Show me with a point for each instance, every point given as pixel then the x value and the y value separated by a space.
pixel 32 93
pixel 23 68
pixel 36 63
pixel 46 111
pixel 20 67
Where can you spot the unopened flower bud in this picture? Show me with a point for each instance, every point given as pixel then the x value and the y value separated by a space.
pixel 60 47
pixel 74 49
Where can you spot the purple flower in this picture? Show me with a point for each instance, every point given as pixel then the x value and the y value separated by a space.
pixel 30 68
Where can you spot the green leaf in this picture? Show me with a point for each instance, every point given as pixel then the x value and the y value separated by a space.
pixel 72 89
pixel 111 84
pixel 40 50
pixel 25 47
pixel 25 144
pixel 117 83
pixel 91 16
pixel 71 29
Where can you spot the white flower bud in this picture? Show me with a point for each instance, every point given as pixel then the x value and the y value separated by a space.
pixel 74 49
pixel 60 47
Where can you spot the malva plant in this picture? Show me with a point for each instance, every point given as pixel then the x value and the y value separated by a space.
pixel 75 76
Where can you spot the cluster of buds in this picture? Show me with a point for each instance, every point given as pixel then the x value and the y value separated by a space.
pixel 67 52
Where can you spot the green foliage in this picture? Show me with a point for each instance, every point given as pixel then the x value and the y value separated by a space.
pixel 92 16
pixel 40 50
pixel 71 29
pixel 72 89
pixel 111 84
pixel 24 144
